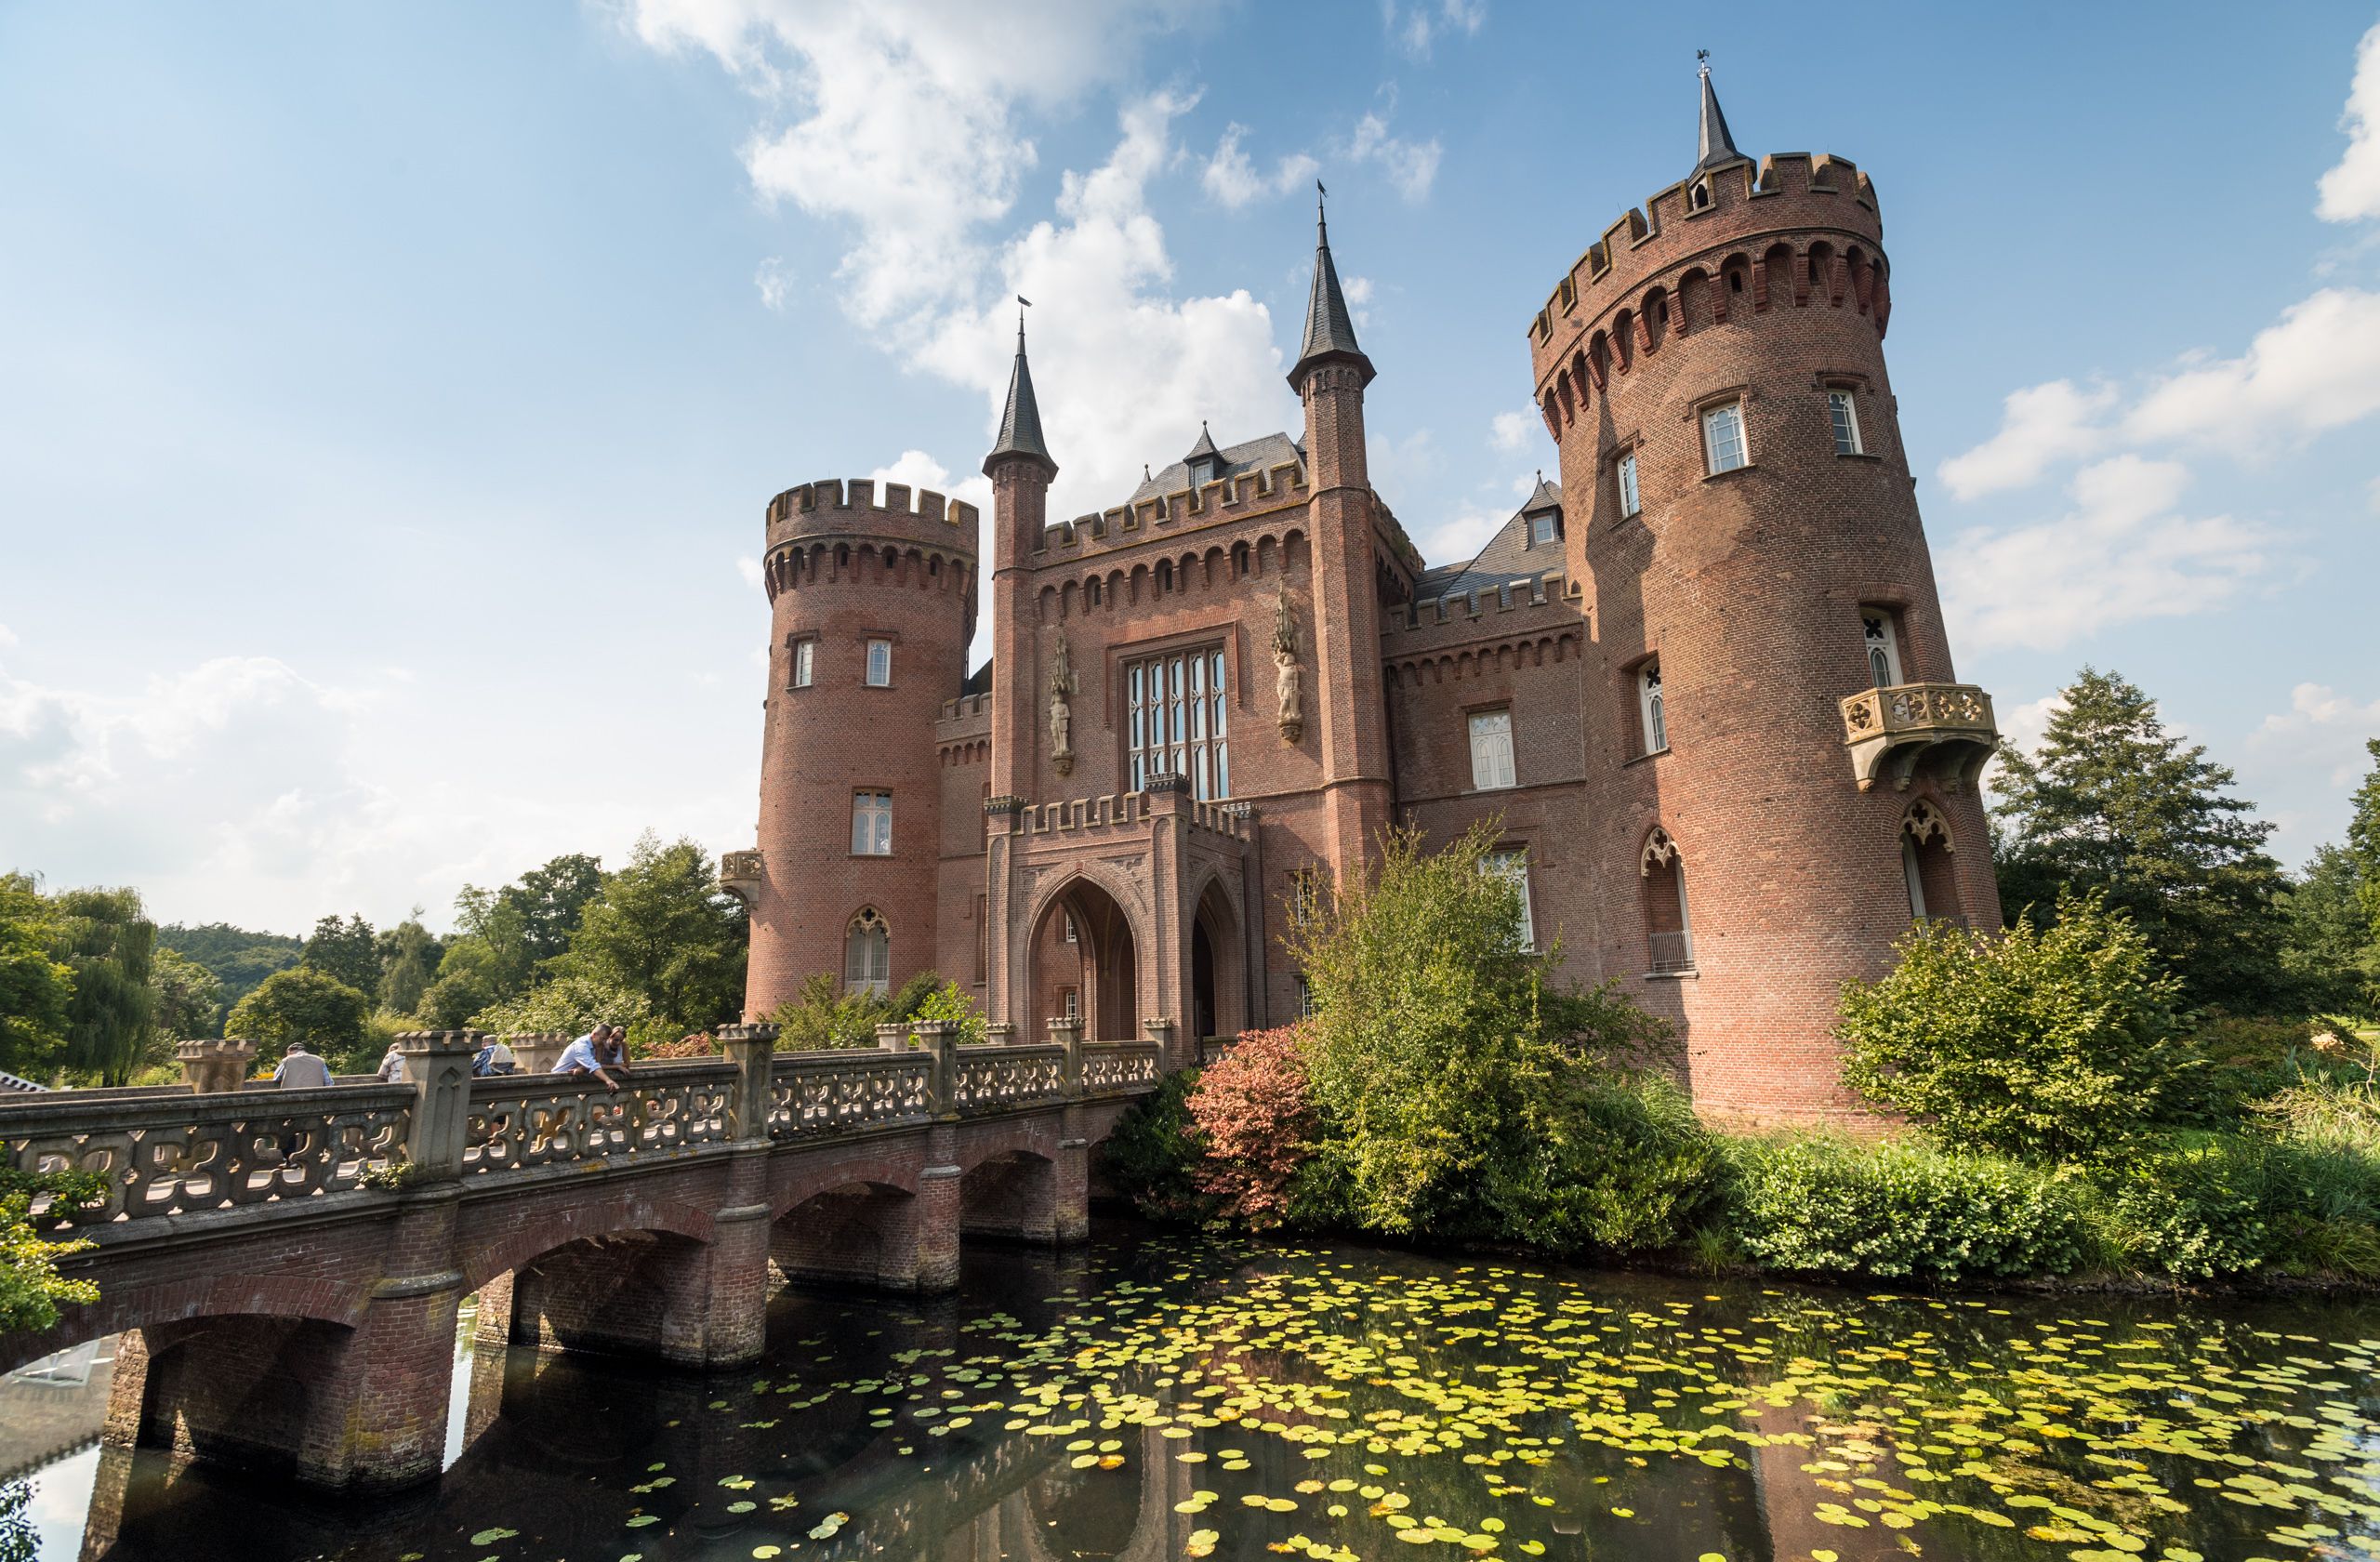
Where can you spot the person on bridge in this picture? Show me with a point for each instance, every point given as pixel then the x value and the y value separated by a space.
pixel 392 1064
pixel 302 1069
pixel 493 1058
pixel 601 1052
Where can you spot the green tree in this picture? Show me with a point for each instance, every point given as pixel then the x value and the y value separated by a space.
pixel 309 1005
pixel 347 949
pixel 36 988
pixel 1439 1048
pixel 107 941
pixel 2333 951
pixel 465 985
pixel 663 928
pixel 239 958
pixel 574 1001
pixel 409 956
pixel 186 999
pixel 31 1288
pixel 2112 803
pixel 2363 838
pixel 2053 1043
pixel 529 923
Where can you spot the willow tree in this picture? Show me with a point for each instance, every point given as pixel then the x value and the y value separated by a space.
pixel 109 943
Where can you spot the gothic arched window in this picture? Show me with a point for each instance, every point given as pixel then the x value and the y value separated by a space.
pixel 868 955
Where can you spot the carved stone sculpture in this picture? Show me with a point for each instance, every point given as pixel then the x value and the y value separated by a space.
pixel 1288 681
pixel 1062 684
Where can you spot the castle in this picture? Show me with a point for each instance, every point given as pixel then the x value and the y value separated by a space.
pixel 1703 681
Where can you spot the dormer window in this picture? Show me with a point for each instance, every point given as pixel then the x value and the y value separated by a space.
pixel 1543 530
pixel 1204 463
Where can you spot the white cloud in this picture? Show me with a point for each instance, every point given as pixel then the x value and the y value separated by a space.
pixel 2023 727
pixel 1509 431
pixel 2322 732
pixel 1416 27
pixel 2122 554
pixel 749 568
pixel 2039 427
pixel 1412 166
pixel 2351 190
pixel 1231 176
pixel 7 636
pixel 2315 369
pixel 774 280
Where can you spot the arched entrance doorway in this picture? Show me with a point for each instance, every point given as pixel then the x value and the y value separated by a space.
pixel 1084 962
pixel 1218 978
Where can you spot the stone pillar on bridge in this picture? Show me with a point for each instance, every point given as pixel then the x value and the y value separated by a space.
pixel 731 1291
pixel 1070 1174
pixel 939 1199
pixel 210 1067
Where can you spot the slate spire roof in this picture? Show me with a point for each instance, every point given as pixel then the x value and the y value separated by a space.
pixel 1714 146
pixel 1021 418
pixel 1329 330
pixel 1206 445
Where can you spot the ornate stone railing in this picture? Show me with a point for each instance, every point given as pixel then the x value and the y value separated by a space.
pixel 1112 1067
pixel 1947 724
pixel 543 1119
pixel 993 1078
pixel 826 1092
pixel 178 1153
pixel 182 1151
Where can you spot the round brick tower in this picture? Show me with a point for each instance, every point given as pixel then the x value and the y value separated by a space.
pixel 872 603
pixel 1781 765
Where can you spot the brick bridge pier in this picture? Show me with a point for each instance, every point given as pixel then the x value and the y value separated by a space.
pixel 284 1265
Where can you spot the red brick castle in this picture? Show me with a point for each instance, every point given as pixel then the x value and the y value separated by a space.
pixel 1703 681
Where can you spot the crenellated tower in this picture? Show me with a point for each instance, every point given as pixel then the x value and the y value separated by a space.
pixel 872 605
pixel 1780 765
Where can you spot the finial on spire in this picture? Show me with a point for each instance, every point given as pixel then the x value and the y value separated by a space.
pixel 1020 417
pixel 1330 330
pixel 1713 146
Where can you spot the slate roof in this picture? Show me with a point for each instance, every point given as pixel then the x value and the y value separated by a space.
pixel 1714 146
pixel 1257 455
pixel 1507 559
pixel 1330 330
pixel 1021 418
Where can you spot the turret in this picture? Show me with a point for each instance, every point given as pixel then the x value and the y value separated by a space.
pixel 872 603
pixel 1738 504
pixel 1021 470
pixel 1330 377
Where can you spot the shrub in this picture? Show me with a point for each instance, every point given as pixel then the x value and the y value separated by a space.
pixel 31 1288
pixel 819 1018
pixel 1439 1042
pixel 1626 1166
pixel 2191 1206
pixel 944 1000
pixel 1152 1156
pixel 1252 1111
pixel 1902 1209
pixel 2051 1043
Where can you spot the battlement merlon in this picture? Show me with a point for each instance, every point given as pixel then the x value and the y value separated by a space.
pixel 836 507
pixel 1785 192
pixel 1429 619
pixel 1259 491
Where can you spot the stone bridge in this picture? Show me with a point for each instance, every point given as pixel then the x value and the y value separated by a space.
pixel 284 1265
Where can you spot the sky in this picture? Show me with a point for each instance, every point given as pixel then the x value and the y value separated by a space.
pixel 390 396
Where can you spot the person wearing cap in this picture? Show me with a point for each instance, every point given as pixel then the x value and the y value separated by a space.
pixel 302 1069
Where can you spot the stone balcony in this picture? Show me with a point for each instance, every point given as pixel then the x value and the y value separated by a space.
pixel 1948 728
pixel 739 874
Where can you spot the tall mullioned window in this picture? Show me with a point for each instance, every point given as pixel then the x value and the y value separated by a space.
pixel 871 824
pixel 1844 415
pixel 1722 438
pixel 868 955
pixel 805 654
pixel 1631 502
pixel 879 664
pixel 1491 750
pixel 1515 866
pixel 1174 720
pixel 1652 714
pixel 1883 645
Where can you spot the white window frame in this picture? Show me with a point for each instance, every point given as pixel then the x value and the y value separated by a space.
pixel 1726 443
pixel 871 824
pixel 1546 522
pixel 1632 498
pixel 1514 865
pixel 879 663
pixel 805 663
pixel 1883 643
pixel 1071 935
pixel 1843 416
pixel 873 971
pixel 1176 718
pixel 1652 707
pixel 1909 870
pixel 1492 768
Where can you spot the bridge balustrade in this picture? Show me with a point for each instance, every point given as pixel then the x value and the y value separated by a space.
pixel 546 1120
pixel 815 1094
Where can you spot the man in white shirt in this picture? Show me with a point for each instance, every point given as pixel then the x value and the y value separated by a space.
pixel 592 1052
pixel 302 1069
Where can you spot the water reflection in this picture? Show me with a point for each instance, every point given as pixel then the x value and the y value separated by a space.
pixel 1158 1398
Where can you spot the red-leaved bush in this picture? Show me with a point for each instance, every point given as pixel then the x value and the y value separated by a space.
pixel 1251 1105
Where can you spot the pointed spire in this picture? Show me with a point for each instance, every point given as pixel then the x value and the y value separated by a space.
pixel 1206 445
pixel 1021 418
pixel 1713 148
pixel 1329 330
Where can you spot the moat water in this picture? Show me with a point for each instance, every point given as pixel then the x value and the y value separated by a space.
pixel 1161 1397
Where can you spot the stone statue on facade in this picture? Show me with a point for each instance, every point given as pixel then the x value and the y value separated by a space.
pixel 1289 682
pixel 1062 684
